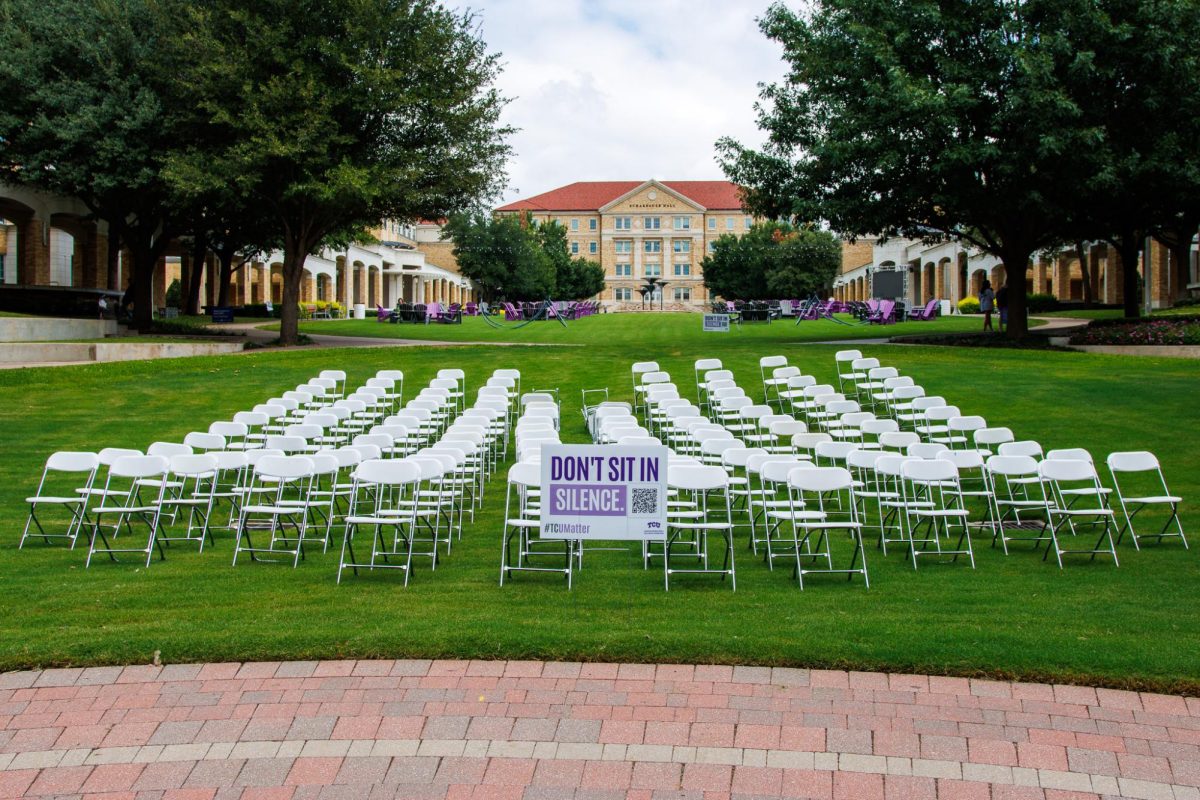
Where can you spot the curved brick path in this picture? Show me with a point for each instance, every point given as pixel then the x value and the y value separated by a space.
pixel 533 730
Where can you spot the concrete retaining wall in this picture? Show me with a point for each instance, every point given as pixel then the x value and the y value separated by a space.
pixel 34 354
pixel 47 329
pixel 1159 351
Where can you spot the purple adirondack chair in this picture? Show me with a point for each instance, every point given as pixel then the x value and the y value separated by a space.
pixel 924 314
pixel 883 315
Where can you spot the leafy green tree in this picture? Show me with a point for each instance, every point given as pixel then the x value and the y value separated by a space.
pixel 772 260
pixel 333 115
pixel 574 278
pixel 923 119
pixel 90 107
pixel 503 256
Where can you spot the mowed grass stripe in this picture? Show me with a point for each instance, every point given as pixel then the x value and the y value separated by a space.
pixel 1015 616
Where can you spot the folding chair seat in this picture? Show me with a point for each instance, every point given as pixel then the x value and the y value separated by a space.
pixel 729 414
pixel 382 502
pixel 712 450
pixel 328 424
pixel 933 508
pixel 988 439
pixel 279 409
pixel 1145 489
pixel 709 382
pixel 750 424
pixel 134 489
pixel 690 527
pixel 277 500
pixel 302 403
pixel 925 451
pixel 829 417
pixel 510 374
pixel 522 518
pixel 398 436
pixel 1075 499
pixel 973 483
pixel 233 433
pixel 65 486
pixel 320 394
pixel 842 361
pixel 817 490
pixel 310 433
pixel 375 407
pixel 197 476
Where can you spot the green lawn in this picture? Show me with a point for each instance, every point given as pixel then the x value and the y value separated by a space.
pixel 635 329
pixel 1016 616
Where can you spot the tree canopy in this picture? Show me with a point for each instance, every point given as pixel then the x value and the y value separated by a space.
pixel 512 257
pixel 772 260
pixel 936 119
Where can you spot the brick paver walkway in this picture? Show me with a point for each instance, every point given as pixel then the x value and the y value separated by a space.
pixel 544 731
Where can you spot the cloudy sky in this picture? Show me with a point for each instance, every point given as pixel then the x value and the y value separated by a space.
pixel 625 89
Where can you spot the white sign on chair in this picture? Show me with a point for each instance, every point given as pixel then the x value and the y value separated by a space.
pixel 604 492
pixel 716 323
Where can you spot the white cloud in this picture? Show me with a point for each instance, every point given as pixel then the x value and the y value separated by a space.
pixel 625 89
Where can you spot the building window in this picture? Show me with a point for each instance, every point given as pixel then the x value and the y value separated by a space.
pixel 574 248
pixel 729 223
pixel 712 223
pixel 749 222
pixel 683 269
pixel 682 246
pixel 653 270
pixel 624 293
pixel 682 293
pixel 592 224
pixel 623 246
pixel 592 248
pixel 653 245
pixel 652 223
pixel 574 224
pixel 711 246
pixel 624 271
pixel 623 223
pixel 683 223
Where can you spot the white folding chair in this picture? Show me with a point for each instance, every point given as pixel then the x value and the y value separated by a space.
pixel 691 527
pixel 842 360
pixel 933 508
pixel 1016 499
pixel 277 500
pixel 197 476
pixel 522 518
pixel 1074 497
pixel 66 485
pixel 134 489
pixel 1145 488
pixel 382 500
pixel 816 490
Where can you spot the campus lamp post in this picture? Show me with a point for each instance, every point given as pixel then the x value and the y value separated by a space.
pixel 661 285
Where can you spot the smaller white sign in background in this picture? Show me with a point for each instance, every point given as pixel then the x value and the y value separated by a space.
pixel 716 323
pixel 610 492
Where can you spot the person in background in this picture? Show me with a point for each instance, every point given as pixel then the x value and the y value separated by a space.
pixel 987 300
pixel 1002 306
pixel 103 306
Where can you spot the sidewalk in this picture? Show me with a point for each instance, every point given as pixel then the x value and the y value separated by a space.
pixel 545 731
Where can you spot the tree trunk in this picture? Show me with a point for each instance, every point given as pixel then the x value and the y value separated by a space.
pixel 113 261
pixel 1129 247
pixel 1016 265
pixel 1081 251
pixel 141 287
pixel 191 302
pixel 225 255
pixel 289 307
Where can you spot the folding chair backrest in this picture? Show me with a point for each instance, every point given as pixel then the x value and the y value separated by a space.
pixel 1133 461
pixel 968 423
pixel 821 479
pixel 925 402
pixel 963 459
pixel 168 449
pixel 771 362
pixel 941 413
pixel 1013 466
pixel 696 478
pixel 787 427
pixel 929 470
pixel 235 431
pixel 286 443
pixel 380 440
pixel 797 382
pixel 284 468
pixel 135 467
pixel 1067 470
pixel 835 451
pixel 367 452
pixel 388 472
pixel 1027 447
pixel 778 469
pixel 740 456
pixel 863 459
pixel 72 461
pixel 877 427
pixel 993 437
pixel 525 474
pixel 1070 453
pixel 193 465
pixel 925 450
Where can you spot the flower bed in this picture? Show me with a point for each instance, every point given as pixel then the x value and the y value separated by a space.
pixel 1153 331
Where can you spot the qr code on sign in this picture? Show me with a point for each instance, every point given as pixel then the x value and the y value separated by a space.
pixel 645 501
